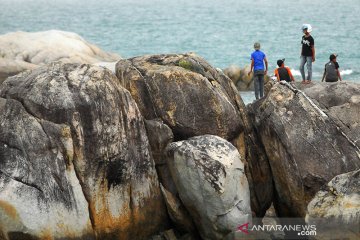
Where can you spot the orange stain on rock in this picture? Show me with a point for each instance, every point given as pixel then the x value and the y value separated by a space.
pixel 9 210
pixel 129 223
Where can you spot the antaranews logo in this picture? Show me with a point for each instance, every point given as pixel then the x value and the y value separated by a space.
pixel 300 230
pixel 244 228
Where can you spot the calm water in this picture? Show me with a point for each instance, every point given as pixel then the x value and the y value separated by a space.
pixel 223 32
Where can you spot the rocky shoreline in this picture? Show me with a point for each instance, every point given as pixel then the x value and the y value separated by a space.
pixel 165 148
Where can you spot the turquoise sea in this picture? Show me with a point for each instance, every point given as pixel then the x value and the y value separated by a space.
pixel 223 32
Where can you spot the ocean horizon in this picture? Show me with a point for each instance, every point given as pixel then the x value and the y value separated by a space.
pixel 221 32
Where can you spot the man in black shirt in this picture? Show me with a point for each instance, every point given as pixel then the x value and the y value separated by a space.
pixel 307 53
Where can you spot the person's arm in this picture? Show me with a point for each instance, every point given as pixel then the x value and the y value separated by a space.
pixel 251 66
pixel 312 44
pixel 313 52
pixel 338 73
pixel 276 72
pixel 337 70
pixel 266 65
pixel 290 74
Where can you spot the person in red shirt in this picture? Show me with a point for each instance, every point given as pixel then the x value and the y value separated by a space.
pixel 282 72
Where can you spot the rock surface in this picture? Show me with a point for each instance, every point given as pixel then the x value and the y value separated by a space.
pixel 335 210
pixel 190 96
pixel 211 182
pixel 240 77
pixel 160 135
pixel 306 148
pixel 341 101
pixel 193 98
pixel 177 212
pixel 21 51
pixel 75 160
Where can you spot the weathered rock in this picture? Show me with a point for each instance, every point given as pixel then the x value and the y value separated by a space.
pixel 193 98
pixel 75 160
pixel 177 212
pixel 306 148
pixel 335 210
pixel 160 135
pixel 241 79
pixel 211 182
pixel 21 51
pixel 108 65
pixel 189 95
pixel 341 101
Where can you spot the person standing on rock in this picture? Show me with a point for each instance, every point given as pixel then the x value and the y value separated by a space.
pixel 282 72
pixel 331 72
pixel 257 64
pixel 307 53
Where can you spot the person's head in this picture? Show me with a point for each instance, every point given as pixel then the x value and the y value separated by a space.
pixel 280 62
pixel 333 57
pixel 306 28
pixel 257 46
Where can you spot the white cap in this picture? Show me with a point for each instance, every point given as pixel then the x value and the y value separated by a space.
pixel 306 26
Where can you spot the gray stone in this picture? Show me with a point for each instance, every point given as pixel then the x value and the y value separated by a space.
pixel 305 147
pixel 341 101
pixel 212 184
pixel 241 79
pixel 189 95
pixel 21 51
pixel 193 98
pixel 177 212
pixel 335 209
pixel 75 160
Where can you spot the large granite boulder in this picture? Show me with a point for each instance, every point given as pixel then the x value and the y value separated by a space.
pixel 190 96
pixel 193 98
pixel 21 51
pixel 211 181
pixel 335 209
pixel 305 147
pixel 75 161
pixel 341 101
pixel 241 79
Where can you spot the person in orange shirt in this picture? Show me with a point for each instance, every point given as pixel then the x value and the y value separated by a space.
pixel 282 72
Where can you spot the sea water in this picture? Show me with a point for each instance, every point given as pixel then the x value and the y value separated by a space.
pixel 223 32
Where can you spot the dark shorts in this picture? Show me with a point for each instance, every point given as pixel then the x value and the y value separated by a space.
pixel 331 80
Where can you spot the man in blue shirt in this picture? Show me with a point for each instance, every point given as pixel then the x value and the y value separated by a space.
pixel 257 63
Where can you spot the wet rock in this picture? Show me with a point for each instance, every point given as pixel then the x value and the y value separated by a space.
pixel 211 182
pixel 335 209
pixel 305 147
pixel 21 51
pixel 75 160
